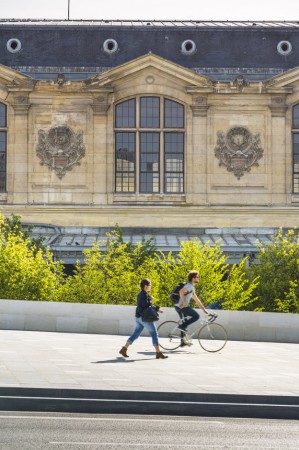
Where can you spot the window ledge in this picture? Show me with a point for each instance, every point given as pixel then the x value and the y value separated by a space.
pixel 3 198
pixel 149 198
pixel 295 198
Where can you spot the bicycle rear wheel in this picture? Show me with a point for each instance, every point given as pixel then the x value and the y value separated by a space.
pixel 170 337
pixel 212 337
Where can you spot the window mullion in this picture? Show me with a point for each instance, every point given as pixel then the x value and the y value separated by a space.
pixel 161 175
pixel 137 143
pixel 161 166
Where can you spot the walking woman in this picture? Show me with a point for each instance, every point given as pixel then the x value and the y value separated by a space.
pixel 144 300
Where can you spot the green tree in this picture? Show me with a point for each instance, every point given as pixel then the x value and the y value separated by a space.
pixel 13 226
pixel 211 262
pixel 138 252
pixel 277 267
pixel 238 290
pixel 108 277
pixel 26 273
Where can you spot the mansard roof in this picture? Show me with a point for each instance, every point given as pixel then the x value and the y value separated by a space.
pixel 156 23
pixel 222 49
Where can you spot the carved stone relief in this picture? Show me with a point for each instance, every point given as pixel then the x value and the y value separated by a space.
pixel 60 149
pixel 240 82
pixel 238 150
pixel 60 79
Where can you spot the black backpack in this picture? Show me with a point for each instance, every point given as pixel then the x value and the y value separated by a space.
pixel 174 295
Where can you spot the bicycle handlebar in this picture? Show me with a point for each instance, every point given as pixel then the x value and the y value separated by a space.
pixel 212 317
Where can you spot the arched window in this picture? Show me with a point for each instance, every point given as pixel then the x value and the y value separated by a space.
pixel 295 127
pixel 3 139
pixel 149 146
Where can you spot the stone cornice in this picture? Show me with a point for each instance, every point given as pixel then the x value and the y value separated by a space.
pixel 100 105
pixel 278 106
pixel 278 111
pixel 20 104
pixel 199 110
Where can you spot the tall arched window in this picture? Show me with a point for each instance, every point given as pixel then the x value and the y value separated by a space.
pixel 3 139
pixel 295 127
pixel 149 146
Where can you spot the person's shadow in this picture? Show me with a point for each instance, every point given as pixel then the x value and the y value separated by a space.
pixel 120 359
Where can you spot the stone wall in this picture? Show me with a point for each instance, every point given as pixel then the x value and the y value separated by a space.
pixel 224 189
pixel 119 319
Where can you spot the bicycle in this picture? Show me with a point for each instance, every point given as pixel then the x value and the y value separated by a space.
pixel 212 337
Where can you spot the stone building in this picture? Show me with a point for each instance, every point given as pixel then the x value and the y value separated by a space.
pixel 169 129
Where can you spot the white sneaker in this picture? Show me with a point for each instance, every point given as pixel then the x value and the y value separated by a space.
pixel 187 339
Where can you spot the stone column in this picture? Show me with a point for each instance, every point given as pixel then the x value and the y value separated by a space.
pixel 280 162
pixel 103 167
pixel 17 150
pixel 196 152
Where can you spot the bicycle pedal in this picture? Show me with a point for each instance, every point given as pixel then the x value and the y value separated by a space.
pixel 189 336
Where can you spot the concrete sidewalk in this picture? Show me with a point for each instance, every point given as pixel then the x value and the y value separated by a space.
pixel 44 365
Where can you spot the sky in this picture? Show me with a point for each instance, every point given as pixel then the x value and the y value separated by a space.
pixel 252 10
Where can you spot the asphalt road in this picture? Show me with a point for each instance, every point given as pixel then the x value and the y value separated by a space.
pixel 28 431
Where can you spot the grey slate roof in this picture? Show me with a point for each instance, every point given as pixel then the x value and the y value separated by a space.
pixel 223 49
pixel 67 243
pixel 156 23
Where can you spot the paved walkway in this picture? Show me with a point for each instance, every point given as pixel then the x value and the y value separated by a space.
pixel 89 361
pixel 51 361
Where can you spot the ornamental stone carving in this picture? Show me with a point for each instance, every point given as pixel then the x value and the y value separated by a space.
pixel 240 82
pixel 238 150
pixel 60 149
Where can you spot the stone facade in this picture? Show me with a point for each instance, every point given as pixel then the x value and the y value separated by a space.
pixel 237 157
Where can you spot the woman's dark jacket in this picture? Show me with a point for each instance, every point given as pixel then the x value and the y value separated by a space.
pixel 143 302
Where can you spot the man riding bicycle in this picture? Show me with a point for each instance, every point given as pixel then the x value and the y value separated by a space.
pixel 182 306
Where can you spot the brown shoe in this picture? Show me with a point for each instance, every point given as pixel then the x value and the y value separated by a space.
pixel 159 355
pixel 123 352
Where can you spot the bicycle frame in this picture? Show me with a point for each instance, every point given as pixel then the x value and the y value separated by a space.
pixel 212 337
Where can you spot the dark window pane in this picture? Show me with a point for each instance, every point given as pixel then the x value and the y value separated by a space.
pixel 149 162
pixel 2 162
pixel 150 112
pixel 2 148
pixel 125 162
pixel 173 114
pixel 2 172
pixel 125 114
pixel 2 115
pixel 2 141
pixel 296 116
pixel 174 162
pixel 296 163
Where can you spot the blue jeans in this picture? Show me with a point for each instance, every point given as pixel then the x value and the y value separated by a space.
pixel 150 326
pixel 187 311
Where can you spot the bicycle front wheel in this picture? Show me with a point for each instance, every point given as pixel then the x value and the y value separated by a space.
pixel 170 337
pixel 212 337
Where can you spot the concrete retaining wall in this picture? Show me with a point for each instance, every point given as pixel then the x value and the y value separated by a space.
pixel 118 319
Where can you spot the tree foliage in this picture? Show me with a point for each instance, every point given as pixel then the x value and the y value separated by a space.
pixel 13 226
pixel 238 290
pixel 211 262
pixel 138 252
pixel 112 276
pixel 278 270
pixel 26 272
